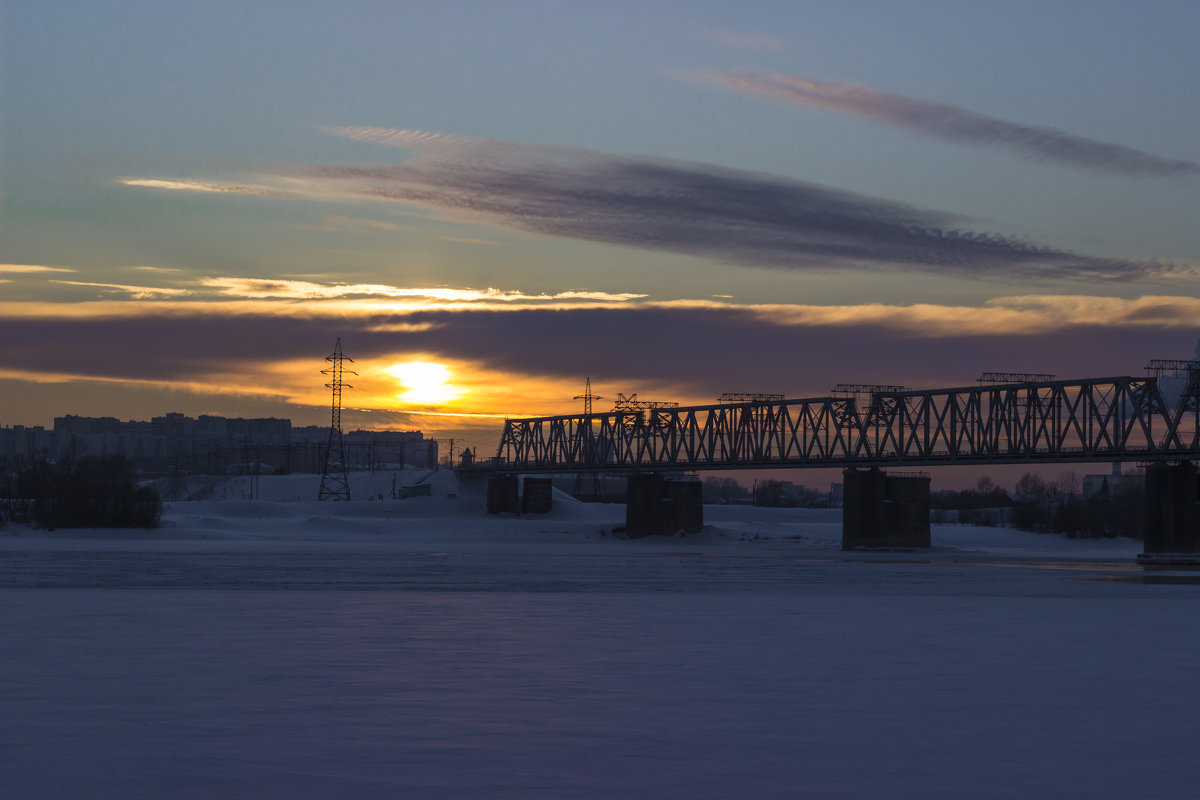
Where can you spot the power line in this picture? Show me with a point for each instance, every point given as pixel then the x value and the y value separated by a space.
pixel 631 403
pixel 449 443
pixel 868 388
pixel 749 397
pixel 1015 377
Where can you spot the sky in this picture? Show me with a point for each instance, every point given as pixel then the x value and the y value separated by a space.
pixel 489 203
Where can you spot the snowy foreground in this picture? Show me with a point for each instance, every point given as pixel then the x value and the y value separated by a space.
pixel 283 648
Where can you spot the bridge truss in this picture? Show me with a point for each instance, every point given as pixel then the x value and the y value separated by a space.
pixel 1100 419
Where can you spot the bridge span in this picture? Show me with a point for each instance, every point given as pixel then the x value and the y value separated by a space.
pixel 1089 420
pixel 1037 420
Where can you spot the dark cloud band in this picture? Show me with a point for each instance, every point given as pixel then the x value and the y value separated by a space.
pixel 734 216
pixel 706 348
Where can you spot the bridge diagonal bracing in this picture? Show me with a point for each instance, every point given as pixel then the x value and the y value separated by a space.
pixel 1099 419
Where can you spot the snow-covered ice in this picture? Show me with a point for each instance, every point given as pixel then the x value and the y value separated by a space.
pixel 280 647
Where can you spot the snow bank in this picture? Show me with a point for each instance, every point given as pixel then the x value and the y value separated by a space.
pixel 282 509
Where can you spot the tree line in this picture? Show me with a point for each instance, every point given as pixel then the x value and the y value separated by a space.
pixel 1036 504
pixel 770 493
pixel 1042 505
pixel 94 492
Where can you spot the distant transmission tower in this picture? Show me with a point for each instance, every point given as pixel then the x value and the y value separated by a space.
pixel 587 397
pixel 335 483
pixel 593 477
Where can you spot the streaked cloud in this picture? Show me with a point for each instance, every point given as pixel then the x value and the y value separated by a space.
pixel 209 186
pixel 1027 314
pixel 698 209
pixel 384 308
pixel 405 327
pixel 733 216
pixel 32 268
pixel 952 123
pixel 136 292
pixel 470 240
pixel 335 222
pixel 427 141
pixel 292 289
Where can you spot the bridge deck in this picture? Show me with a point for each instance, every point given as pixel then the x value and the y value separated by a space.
pixel 1096 419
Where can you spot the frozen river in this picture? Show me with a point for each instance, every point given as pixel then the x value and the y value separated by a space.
pixel 292 675
pixel 220 661
pixel 677 569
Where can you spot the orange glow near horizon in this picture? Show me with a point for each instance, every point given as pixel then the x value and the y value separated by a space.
pixel 441 396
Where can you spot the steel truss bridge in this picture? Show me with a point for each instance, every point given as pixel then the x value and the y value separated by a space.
pixel 1095 419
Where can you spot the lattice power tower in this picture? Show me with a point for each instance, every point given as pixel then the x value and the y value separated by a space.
pixel 335 483
pixel 587 397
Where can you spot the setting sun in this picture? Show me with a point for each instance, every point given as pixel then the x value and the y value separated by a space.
pixel 425 383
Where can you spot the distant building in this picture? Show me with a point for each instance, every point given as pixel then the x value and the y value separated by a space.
pixel 80 437
pixel 310 434
pixel 1094 485
pixel 1114 483
pixel 175 443
pixel 27 444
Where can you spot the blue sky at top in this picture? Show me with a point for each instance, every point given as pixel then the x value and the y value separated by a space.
pixel 242 94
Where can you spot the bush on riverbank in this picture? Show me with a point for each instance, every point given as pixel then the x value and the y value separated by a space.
pixel 88 493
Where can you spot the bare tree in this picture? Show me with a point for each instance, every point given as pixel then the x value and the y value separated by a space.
pixel 1031 484
pixel 1067 483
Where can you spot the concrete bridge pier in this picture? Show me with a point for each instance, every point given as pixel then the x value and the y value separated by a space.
pixel 505 495
pixel 1172 512
pixel 655 505
pixel 537 495
pixel 881 511
pixel 502 494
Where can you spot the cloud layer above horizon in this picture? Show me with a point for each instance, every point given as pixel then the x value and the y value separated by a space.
pixel 727 215
pixel 230 328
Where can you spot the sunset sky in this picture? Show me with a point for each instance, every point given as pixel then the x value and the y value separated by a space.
pixel 491 202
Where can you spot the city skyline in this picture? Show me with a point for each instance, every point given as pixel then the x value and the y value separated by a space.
pixel 491 204
pixel 176 444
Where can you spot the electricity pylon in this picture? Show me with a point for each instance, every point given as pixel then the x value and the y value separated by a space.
pixel 335 482
pixel 587 397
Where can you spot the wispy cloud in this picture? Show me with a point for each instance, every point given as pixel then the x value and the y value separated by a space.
pixel 263 288
pixel 209 186
pixel 136 292
pixel 733 216
pixel 387 308
pixel 335 222
pixel 31 268
pixel 1028 314
pixel 735 39
pixel 470 240
pixel 953 123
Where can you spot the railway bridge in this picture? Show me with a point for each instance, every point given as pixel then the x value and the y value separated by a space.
pixel 866 430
